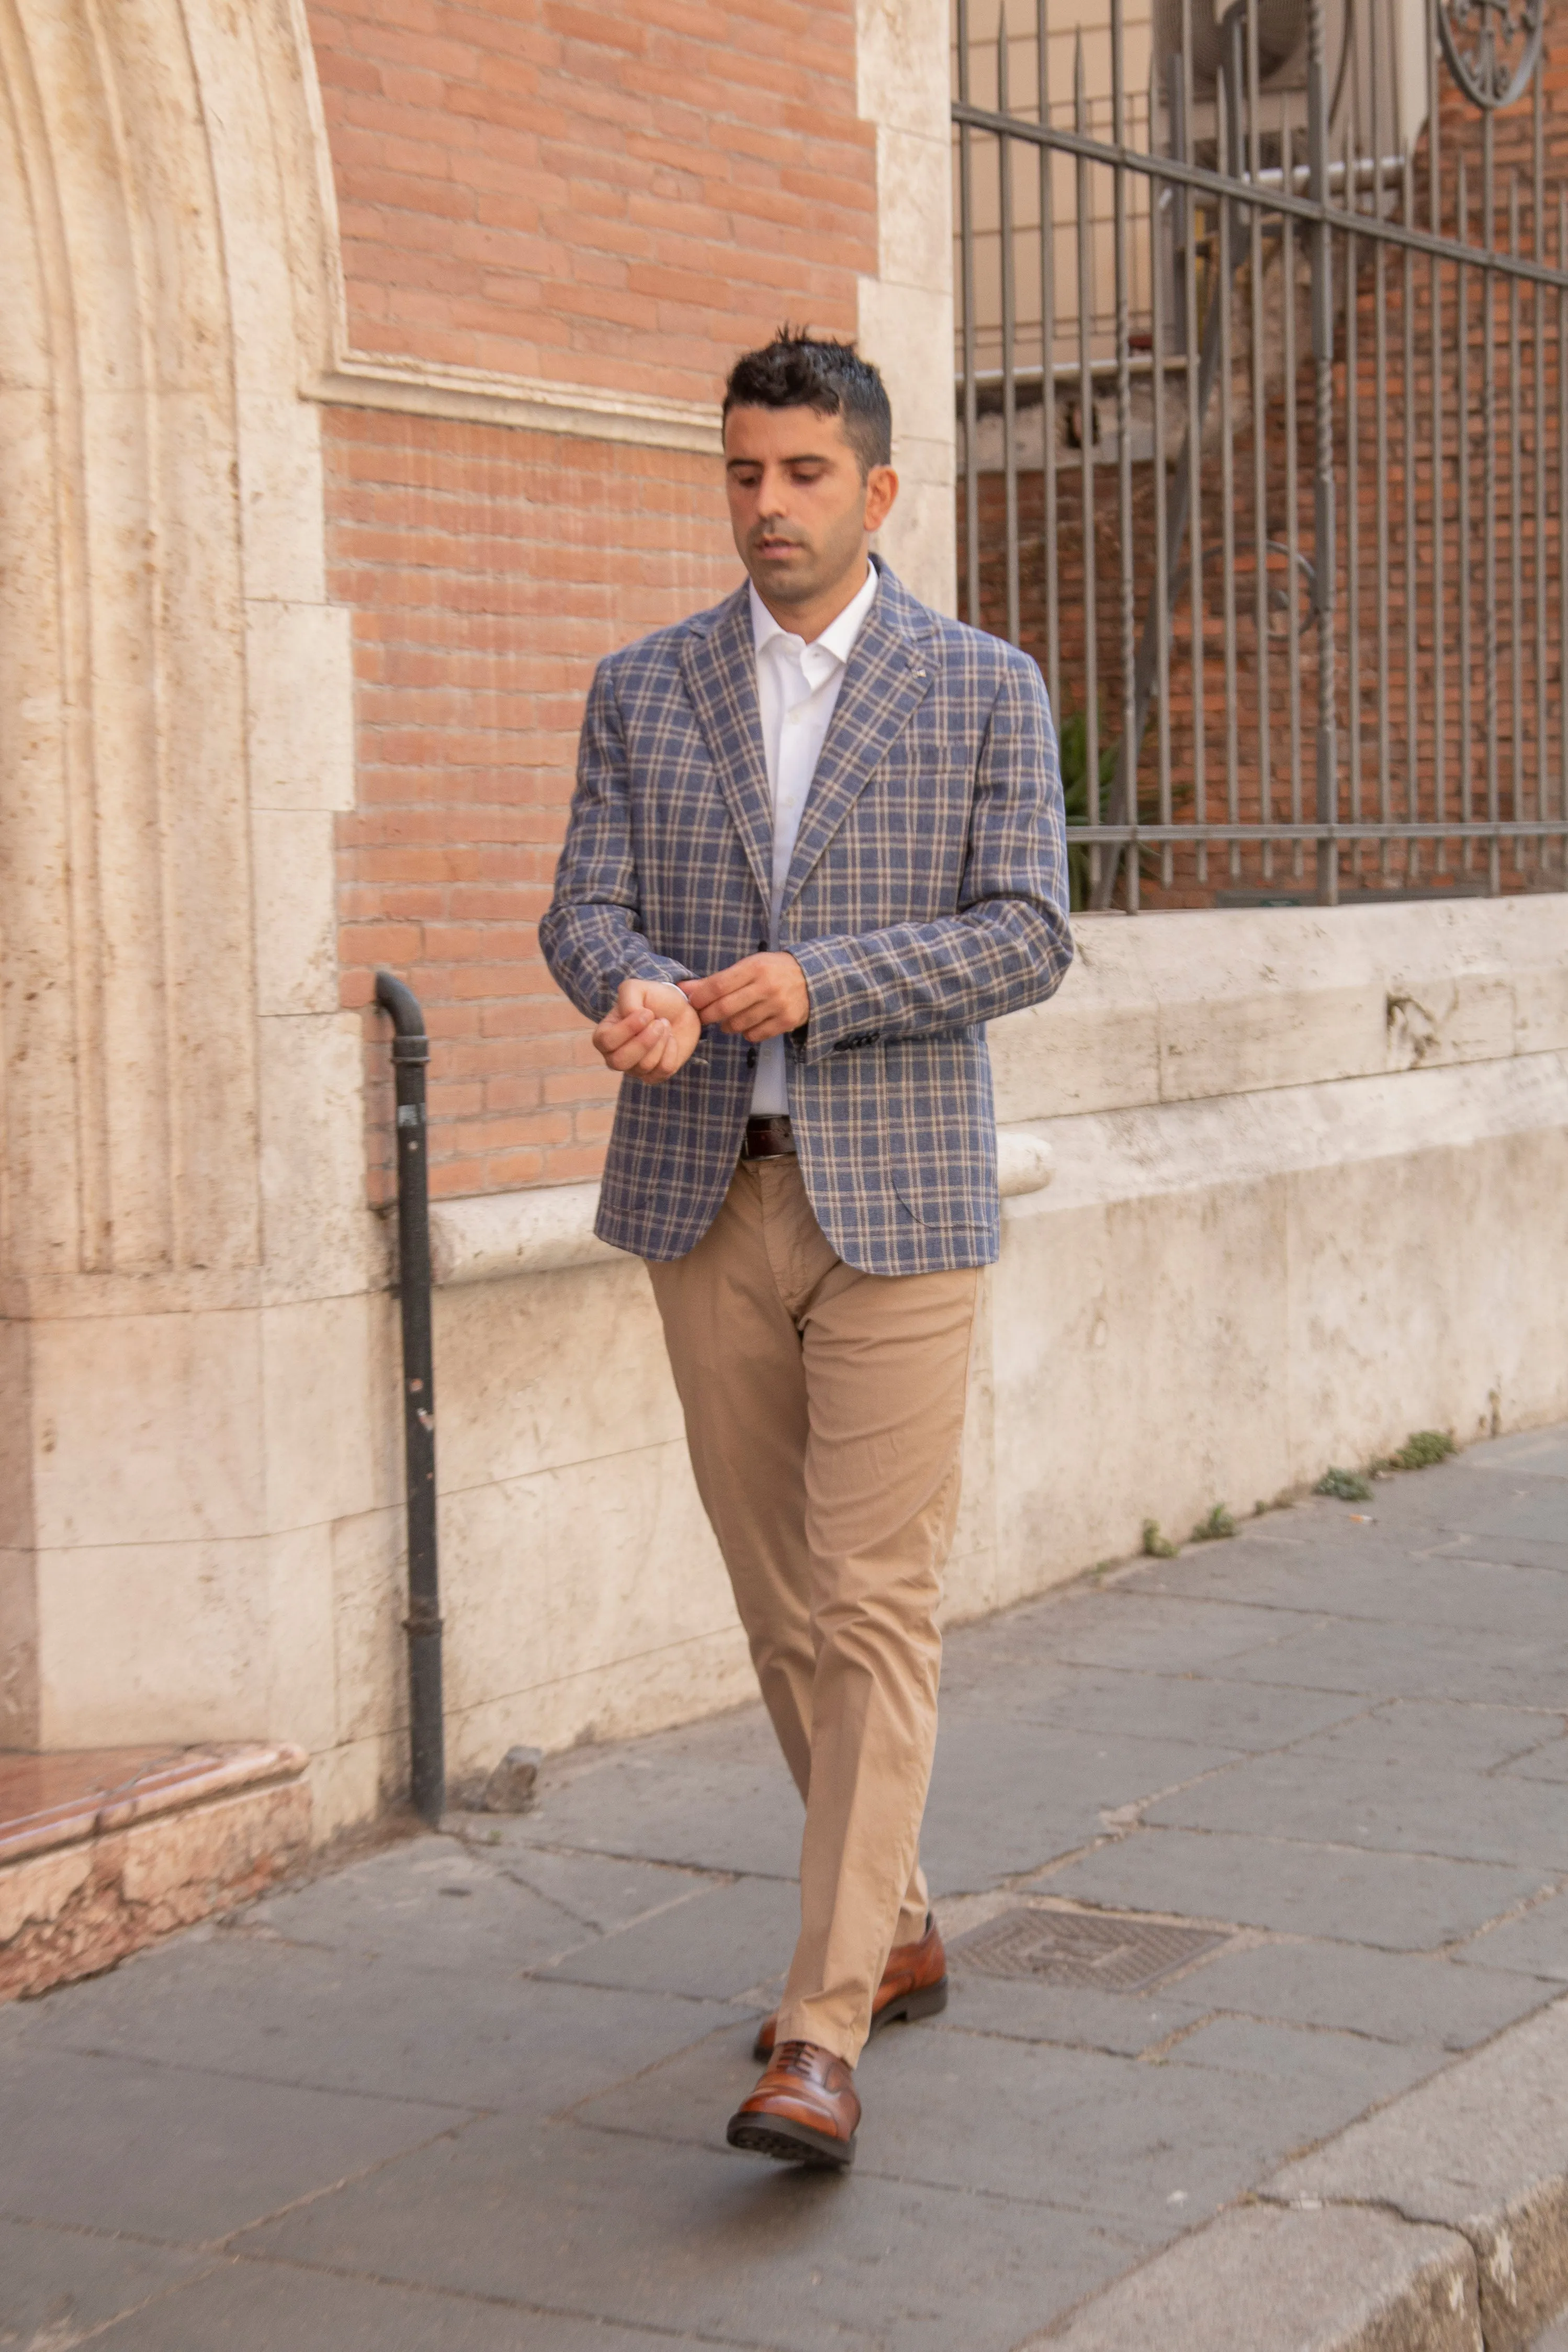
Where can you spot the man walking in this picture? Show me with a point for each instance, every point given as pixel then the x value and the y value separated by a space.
pixel 816 844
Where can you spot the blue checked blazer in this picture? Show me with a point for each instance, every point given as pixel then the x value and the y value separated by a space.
pixel 928 895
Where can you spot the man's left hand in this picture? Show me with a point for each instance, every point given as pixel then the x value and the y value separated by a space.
pixel 763 996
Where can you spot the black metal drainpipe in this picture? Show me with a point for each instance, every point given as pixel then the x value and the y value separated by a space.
pixel 427 1733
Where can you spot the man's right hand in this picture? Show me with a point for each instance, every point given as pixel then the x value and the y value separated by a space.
pixel 651 1033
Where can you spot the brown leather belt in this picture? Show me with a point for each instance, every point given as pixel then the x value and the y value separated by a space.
pixel 769 1139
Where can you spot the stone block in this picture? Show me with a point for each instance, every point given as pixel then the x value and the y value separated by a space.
pixel 296 910
pixel 141 1642
pixel 512 1786
pixel 650 1578
pixel 369 1570
pixel 319 1237
pixel 544 1372
pixel 1482 2150
pixel 301 706
pixel 150 1429
pixel 1260 2282
pixel 166 1850
pixel 330 1373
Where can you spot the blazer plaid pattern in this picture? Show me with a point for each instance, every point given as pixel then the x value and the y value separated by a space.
pixel 928 895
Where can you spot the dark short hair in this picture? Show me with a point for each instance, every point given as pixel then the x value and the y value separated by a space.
pixel 800 371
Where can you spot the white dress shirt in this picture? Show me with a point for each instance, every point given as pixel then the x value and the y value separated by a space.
pixel 797 687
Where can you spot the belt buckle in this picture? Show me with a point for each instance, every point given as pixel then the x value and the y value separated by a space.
pixel 768 1136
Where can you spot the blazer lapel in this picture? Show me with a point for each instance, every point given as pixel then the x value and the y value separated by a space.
pixel 889 676
pixel 720 672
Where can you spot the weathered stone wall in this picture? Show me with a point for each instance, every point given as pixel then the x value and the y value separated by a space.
pixel 233 460
pixel 1306 1176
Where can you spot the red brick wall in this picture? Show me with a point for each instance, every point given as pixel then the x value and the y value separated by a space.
pixel 625 199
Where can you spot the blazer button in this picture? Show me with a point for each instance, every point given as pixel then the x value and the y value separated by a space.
pixel 751 1057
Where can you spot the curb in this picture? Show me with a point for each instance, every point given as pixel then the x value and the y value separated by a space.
pixel 1438 2224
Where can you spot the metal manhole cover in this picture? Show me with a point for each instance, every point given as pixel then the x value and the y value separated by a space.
pixel 1084 1947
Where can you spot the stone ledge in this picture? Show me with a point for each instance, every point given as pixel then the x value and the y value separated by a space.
pixel 486 1236
pixel 411 387
pixel 1206 1003
pixel 103 1851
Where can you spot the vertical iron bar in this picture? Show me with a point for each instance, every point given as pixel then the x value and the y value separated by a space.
pixel 1538 537
pixel 1380 443
pixel 1562 521
pixel 1323 555
pixel 1435 327
pixel 1224 93
pixel 1158 591
pixel 1466 557
pixel 1488 526
pixel 1086 471
pixel 1515 524
pixel 1289 296
pixel 1191 338
pixel 410 1052
pixel 1260 444
pixel 967 297
pixel 1125 461
pixel 1010 309
pixel 1048 367
pixel 1353 497
pixel 1408 571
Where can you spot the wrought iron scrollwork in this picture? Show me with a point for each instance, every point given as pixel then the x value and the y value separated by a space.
pixel 1493 46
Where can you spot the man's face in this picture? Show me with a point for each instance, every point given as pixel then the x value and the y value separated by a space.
pixel 801 510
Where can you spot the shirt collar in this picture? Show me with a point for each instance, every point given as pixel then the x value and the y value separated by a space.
pixel 838 638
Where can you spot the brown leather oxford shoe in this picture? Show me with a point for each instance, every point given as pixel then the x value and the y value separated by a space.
pixel 803 2111
pixel 913 1984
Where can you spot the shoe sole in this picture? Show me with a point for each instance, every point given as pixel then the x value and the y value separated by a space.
pixel 791 2143
pixel 929 2000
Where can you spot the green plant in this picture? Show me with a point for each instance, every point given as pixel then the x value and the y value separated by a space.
pixel 1156 1546
pixel 1345 1485
pixel 1216 1527
pixel 1423 1448
pixel 1072 748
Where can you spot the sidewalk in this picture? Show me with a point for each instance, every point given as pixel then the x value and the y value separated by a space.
pixel 470 2095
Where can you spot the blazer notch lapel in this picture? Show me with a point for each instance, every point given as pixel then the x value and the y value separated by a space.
pixel 720 672
pixel 889 677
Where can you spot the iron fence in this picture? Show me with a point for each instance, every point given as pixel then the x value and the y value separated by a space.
pixel 1262 394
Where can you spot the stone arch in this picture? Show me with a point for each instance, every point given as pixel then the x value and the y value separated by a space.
pixel 179 1153
pixel 146 365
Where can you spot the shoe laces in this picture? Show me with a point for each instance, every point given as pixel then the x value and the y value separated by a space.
pixel 793 2058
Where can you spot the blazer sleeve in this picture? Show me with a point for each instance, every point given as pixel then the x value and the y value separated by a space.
pixel 1010 942
pixel 590 937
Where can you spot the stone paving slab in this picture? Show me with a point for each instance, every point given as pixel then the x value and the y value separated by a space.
pixel 383 2028
pixel 250 2306
pixel 1399 1901
pixel 180 2154
pixel 609 2224
pixel 470 2092
pixel 56 2285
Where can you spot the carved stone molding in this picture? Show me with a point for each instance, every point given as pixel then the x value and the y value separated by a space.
pixel 410 388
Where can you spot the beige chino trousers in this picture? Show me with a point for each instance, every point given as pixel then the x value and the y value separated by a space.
pixel 824 1411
